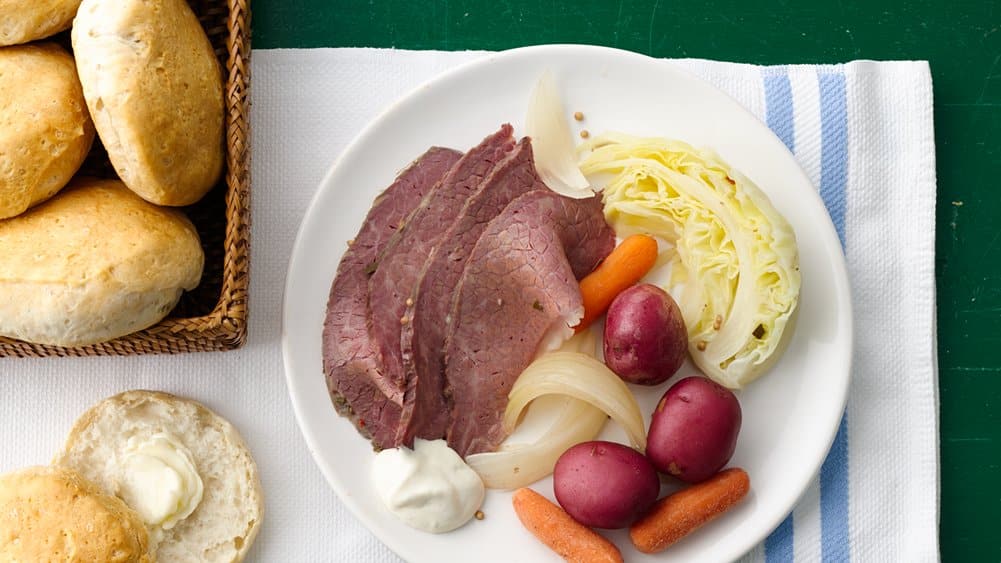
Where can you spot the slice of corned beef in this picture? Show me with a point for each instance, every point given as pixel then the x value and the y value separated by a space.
pixel 519 281
pixel 397 268
pixel 350 358
pixel 425 413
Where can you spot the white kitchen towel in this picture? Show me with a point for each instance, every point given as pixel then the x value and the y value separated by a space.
pixel 862 131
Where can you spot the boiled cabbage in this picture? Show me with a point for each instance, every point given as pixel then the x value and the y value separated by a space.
pixel 734 265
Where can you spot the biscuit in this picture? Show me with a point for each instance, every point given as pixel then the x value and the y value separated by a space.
pixel 45 130
pixel 154 89
pixel 225 523
pixel 54 514
pixel 22 21
pixel 93 263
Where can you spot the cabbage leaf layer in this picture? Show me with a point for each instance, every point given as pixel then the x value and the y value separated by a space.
pixel 734 261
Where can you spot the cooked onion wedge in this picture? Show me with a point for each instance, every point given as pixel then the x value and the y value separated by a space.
pixel 552 143
pixel 583 391
pixel 519 465
pixel 582 377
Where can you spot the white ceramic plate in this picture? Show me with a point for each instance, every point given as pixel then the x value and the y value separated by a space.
pixel 790 415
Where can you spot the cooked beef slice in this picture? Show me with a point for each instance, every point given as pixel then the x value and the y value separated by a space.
pixel 398 266
pixel 519 281
pixel 425 414
pixel 351 361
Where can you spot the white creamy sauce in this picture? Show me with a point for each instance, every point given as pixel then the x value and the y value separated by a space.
pixel 429 488
pixel 159 480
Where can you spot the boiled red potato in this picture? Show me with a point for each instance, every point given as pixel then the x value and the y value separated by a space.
pixel 604 484
pixel 693 430
pixel 645 339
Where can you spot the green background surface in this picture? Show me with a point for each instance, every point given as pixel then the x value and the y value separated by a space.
pixel 961 40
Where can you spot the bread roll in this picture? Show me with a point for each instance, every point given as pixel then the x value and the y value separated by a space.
pixel 22 21
pixel 154 89
pixel 224 524
pixel 53 514
pixel 93 263
pixel 45 130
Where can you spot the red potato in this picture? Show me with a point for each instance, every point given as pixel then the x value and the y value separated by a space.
pixel 693 431
pixel 604 484
pixel 645 337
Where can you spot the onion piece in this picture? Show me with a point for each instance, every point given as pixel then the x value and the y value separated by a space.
pixel 585 341
pixel 584 391
pixel 552 142
pixel 582 377
pixel 519 465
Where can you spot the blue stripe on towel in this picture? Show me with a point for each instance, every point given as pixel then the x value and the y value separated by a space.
pixel 833 178
pixel 778 105
pixel 834 147
pixel 778 545
pixel 779 116
pixel 834 499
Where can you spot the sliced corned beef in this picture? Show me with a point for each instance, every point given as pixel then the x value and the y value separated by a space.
pixel 350 357
pixel 398 266
pixel 519 280
pixel 425 413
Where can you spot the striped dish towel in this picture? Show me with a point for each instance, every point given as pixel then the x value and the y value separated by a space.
pixel 863 133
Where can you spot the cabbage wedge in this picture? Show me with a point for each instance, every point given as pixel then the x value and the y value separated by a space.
pixel 734 265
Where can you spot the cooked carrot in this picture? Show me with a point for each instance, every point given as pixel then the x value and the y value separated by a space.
pixel 626 264
pixel 574 541
pixel 675 516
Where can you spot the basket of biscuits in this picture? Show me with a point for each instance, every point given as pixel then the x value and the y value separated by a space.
pixel 124 176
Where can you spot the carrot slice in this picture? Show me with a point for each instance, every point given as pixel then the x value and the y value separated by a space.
pixel 623 267
pixel 572 540
pixel 677 515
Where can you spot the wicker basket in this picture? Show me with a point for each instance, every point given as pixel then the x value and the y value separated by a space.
pixel 214 315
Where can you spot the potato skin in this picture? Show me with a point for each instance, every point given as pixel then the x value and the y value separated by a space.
pixel 645 338
pixel 693 430
pixel 604 484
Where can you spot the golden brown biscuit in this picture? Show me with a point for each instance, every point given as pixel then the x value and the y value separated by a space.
pixel 22 21
pixel 154 89
pixel 45 130
pixel 93 263
pixel 54 514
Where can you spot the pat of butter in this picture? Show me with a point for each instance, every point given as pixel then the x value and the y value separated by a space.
pixel 159 480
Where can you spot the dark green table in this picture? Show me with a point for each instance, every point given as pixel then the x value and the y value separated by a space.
pixel 962 40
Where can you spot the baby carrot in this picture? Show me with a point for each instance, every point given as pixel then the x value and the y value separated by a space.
pixel 626 264
pixel 674 516
pixel 572 540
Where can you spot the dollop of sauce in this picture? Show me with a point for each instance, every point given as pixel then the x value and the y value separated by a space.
pixel 429 487
pixel 159 480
